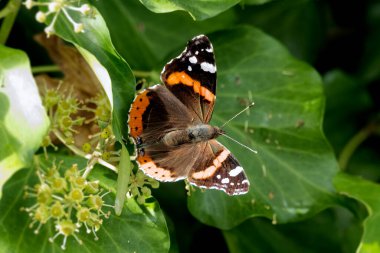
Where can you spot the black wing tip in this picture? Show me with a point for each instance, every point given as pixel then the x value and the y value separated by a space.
pixel 199 39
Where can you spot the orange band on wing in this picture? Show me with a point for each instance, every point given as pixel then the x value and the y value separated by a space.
pixel 183 78
pixel 216 164
pixel 147 165
pixel 138 108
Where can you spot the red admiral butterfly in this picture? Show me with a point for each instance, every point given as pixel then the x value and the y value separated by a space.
pixel 169 125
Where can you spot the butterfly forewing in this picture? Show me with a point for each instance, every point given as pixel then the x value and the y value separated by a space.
pixel 191 77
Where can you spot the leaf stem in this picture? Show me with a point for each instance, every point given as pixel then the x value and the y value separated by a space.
pixel 10 12
pixel 353 144
pixel 79 152
pixel 45 68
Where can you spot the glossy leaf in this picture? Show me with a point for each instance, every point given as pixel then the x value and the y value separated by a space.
pixel 367 193
pixel 112 70
pixel 142 229
pixel 254 2
pixel 291 176
pixel 123 176
pixel 341 113
pixel 296 23
pixel 21 113
pixel 140 31
pixel 370 60
pixel 332 227
pixel 198 9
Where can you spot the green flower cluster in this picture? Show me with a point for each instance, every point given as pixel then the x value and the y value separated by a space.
pixel 70 201
pixel 61 109
pixel 138 186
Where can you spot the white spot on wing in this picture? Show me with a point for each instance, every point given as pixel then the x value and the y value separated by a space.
pixel 208 67
pixel 196 52
pixel 209 50
pixel 236 171
pixel 218 176
pixel 225 180
pixel 193 59
pixel 189 68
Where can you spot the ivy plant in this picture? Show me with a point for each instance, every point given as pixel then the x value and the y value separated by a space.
pixel 69 71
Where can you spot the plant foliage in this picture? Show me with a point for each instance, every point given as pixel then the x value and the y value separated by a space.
pixel 68 178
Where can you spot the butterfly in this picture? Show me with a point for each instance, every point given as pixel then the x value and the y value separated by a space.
pixel 169 125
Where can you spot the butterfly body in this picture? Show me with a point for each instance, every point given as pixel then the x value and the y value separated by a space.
pixel 170 125
pixel 192 134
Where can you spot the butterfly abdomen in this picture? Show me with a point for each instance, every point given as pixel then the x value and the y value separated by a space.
pixel 192 134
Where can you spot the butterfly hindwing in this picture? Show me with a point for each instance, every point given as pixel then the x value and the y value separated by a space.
pixel 217 168
pixel 191 77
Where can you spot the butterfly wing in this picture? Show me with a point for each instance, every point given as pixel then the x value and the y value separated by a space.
pixel 165 163
pixel 191 77
pixel 218 169
pixel 154 113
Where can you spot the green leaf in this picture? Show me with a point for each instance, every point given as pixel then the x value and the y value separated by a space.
pixel 142 229
pixel 21 113
pixel 337 228
pixel 370 58
pixel 296 23
pixel 112 70
pixel 291 176
pixel 140 41
pixel 244 2
pixel 124 173
pixel 367 193
pixel 198 9
pixel 339 123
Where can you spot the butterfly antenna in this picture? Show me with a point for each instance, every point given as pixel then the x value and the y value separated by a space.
pixel 228 121
pixel 241 144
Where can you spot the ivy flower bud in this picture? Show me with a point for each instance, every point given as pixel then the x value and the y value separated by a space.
pixel 57 211
pixel 42 214
pixel 59 184
pixel 54 6
pixel 78 28
pixel 86 147
pixel 44 194
pixel 65 123
pixel 29 4
pixel 92 187
pixel 106 156
pixel 95 202
pixel 83 214
pixel 146 191
pixel 72 172
pixel 49 31
pixel 85 9
pixel 105 133
pixel 154 183
pixel 141 199
pixel 76 195
pixel 79 182
pixel 40 17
